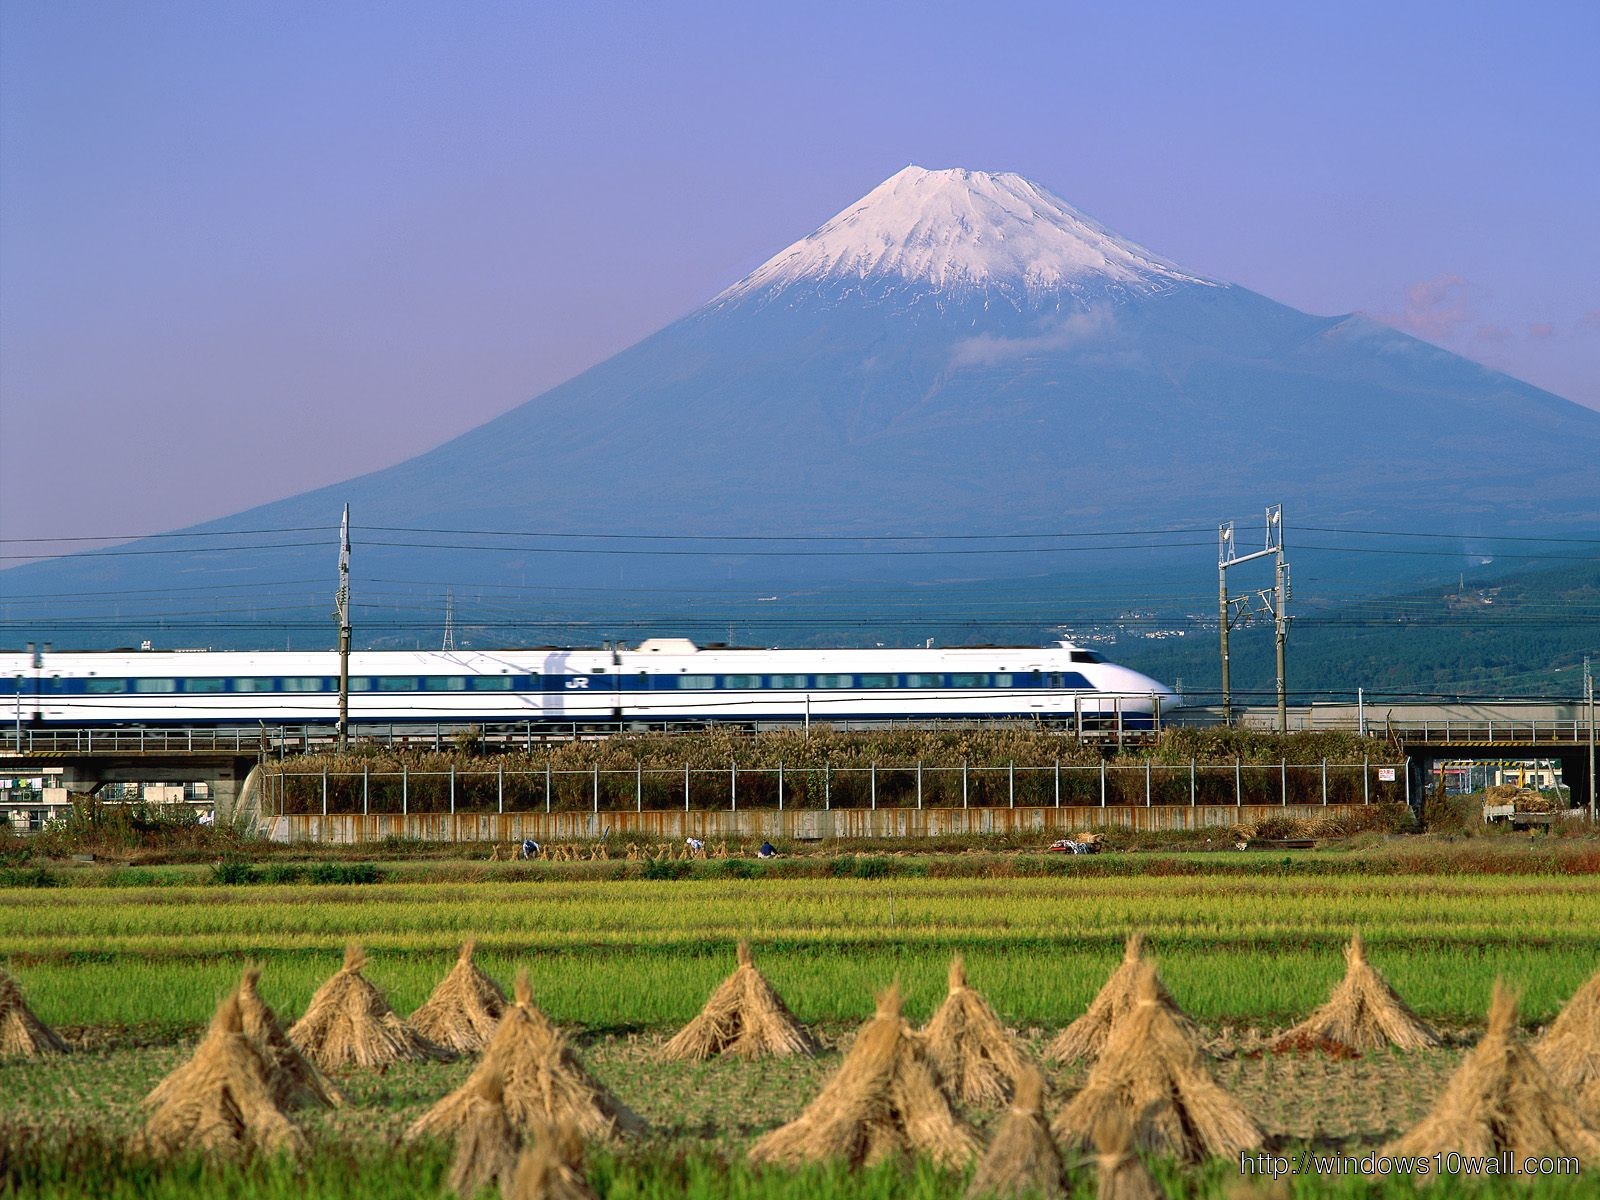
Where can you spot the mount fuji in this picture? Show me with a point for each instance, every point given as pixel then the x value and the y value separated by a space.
pixel 956 353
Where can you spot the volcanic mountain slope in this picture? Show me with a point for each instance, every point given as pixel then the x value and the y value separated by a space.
pixel 961 352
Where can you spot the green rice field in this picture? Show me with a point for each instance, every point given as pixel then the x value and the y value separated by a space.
pixel 1253 949
pixel 131 974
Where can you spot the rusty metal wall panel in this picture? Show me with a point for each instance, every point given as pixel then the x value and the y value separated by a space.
pixel 805 824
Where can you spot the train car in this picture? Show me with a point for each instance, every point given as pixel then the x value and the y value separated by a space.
pixel 660 682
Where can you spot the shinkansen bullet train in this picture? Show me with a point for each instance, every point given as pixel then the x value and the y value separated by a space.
pixel 663 681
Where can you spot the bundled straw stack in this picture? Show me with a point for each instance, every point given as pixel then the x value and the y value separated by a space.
pixel 884 1101
pixel 1022 1159
pixel 972 1051
pixel 542 1080
pixel 222 1100
pixel 464 1010
pixel 744 1017
pixel 487 1144
pixel 23 1035
pixel 1501 1100
pixel 1086 1037
pixel 1122 1174
pixel 1362 1013
pixel 1570 1049
pixel 552 1168
pixel 1151 1074
pixel 296 1082
pixel 350 1023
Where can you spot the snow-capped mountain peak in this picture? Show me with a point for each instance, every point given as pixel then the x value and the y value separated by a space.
pixel 957 231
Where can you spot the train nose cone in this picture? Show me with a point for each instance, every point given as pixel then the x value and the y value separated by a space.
pixel 1142 685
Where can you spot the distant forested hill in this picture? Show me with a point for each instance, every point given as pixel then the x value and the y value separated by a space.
pixel 1522 634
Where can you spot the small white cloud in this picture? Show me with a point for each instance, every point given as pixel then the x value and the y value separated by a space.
pixel 986 350
pixel 1435 308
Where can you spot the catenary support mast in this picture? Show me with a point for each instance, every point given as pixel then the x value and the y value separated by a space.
pixel 342 603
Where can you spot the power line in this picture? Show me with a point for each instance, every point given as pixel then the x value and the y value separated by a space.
pixel 188 550
pixel 1488 537
pixel 793 537
pixel 139 537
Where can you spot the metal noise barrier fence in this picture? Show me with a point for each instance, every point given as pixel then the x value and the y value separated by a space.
pixel 911 787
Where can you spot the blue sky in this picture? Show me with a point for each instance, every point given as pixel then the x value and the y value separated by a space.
pixel 251 248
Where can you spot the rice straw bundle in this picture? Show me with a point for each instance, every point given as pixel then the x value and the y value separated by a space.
pixel 487 1144
pixel 296 1082
pixel 1123 1175
pixel 1086 1037
pixel 884 1101
pixel 464 1010
pixel 221 1099
pixel 350 1023
pixel 1022 1159
pixel 972 1051
pixel 542 1080
pixel 23 1035
pixel 1362 1013
pixel 744 1017
pixel 552 1168
pixel 1570 1049
pixel 1151 1074
pixel 1501 1100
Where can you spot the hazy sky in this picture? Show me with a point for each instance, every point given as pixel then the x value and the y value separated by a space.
pixel 251 248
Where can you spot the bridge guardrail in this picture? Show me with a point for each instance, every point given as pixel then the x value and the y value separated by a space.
pixel 281 740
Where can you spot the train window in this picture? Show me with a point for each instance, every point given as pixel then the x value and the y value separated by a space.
pixel 205 685
pixel 743 682
pixel 105 687
pixel 876 681
pixel 302 683
pixel 833 681
pixel 494 683
pixel 444 683
pixel 397 683
pixel 924 681
pixel 252 685
pixel 788 681
pixel 360 683
pixel 966 681
pixel 1001 681
pixel 155 685
pixel 697 681
pixel 1088 656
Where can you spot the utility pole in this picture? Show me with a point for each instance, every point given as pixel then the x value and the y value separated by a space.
pixel 1236 611
pixel 1280 618
pixel 1588 693
pixel 342 604
pixel 1225 555
pixel 449 620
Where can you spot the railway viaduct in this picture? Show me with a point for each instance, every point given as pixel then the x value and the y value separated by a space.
pixel 80 761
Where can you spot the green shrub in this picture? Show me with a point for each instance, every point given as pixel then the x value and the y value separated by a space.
pixel 870 867
pixel 359 872
pixel 666 868
pixel 283 873
pixel 28 877
pixel 233 872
